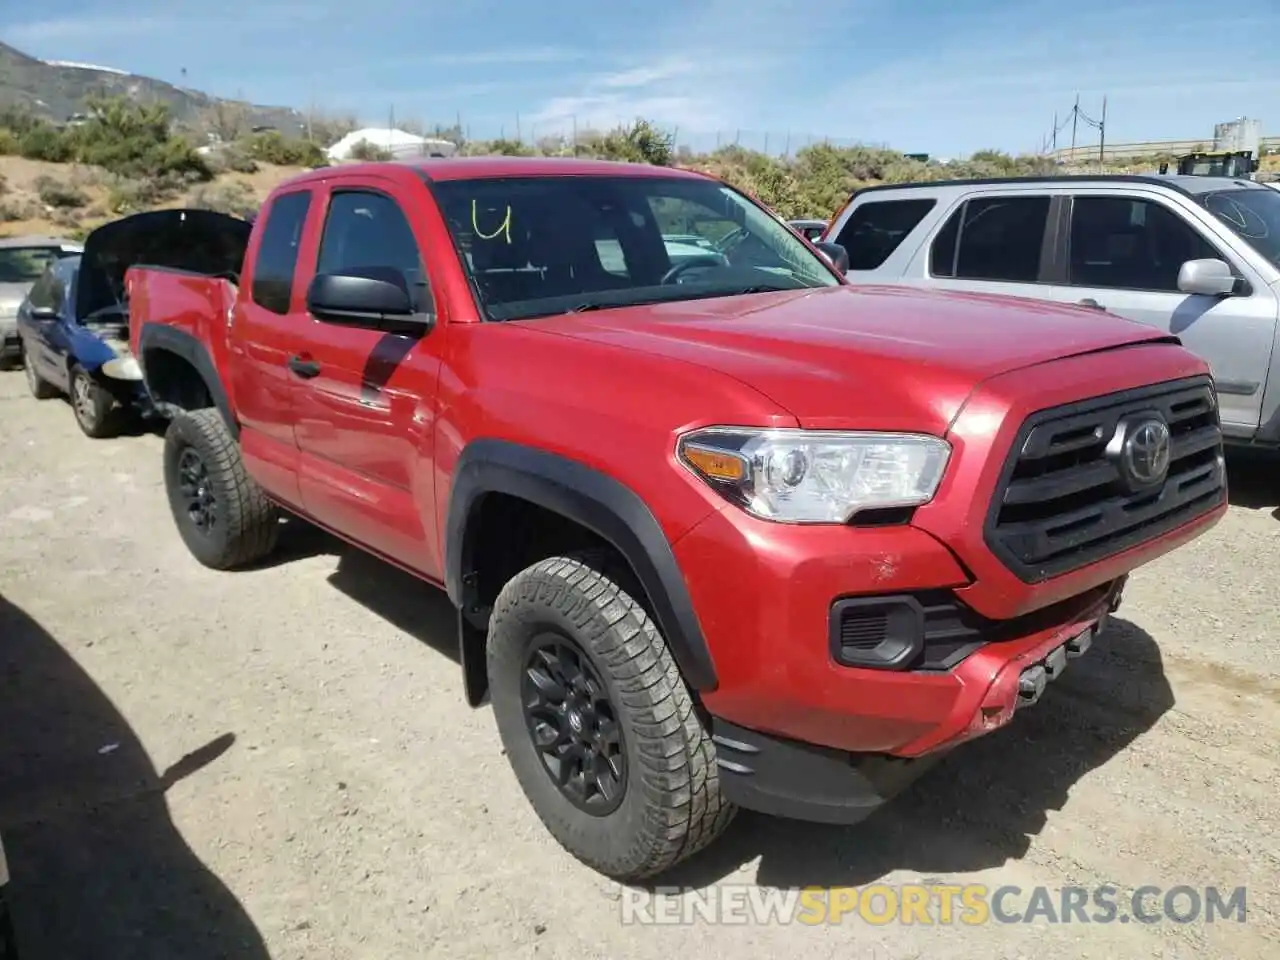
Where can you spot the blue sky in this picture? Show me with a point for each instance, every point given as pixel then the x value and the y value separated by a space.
pixel 943 78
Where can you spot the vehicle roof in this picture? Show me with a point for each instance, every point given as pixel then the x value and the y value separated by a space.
pixel 473 168
pixel 35 240
pixel 1185 183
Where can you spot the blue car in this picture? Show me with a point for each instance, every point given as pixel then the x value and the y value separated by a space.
pixel 74 323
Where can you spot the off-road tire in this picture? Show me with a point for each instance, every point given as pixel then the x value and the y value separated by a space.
pixel 672 805
pixel 95 411
pixel 246 526
pixel 40 388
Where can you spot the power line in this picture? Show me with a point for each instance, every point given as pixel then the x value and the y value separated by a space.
pixel 1074 117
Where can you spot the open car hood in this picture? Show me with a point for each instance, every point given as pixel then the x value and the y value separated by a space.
pixel 199 241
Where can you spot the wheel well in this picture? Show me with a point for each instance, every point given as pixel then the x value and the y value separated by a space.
pixel 508 533
pixel 175 381
pixel 505 534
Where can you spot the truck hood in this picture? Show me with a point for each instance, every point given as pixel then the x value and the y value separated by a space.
pixel 200 241
pixel 861 357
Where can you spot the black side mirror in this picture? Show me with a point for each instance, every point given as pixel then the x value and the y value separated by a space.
pixel 42 313
pixel 837 254
pixel 376 297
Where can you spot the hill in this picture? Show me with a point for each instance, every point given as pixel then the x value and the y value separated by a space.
pixel 57 90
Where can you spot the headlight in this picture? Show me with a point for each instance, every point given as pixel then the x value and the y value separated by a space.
pixel 815 476
pixel 122 368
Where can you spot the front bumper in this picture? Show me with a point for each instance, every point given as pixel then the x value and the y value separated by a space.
pixel 784 777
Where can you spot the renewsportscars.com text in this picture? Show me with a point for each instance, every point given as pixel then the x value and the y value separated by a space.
pixel 934 904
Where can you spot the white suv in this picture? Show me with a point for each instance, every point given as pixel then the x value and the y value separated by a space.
pixel 1197 256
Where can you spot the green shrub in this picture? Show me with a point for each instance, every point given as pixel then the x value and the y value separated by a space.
pixel 364 150
pixel 274 148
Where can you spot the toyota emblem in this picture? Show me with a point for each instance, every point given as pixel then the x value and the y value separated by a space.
pixel 1145 454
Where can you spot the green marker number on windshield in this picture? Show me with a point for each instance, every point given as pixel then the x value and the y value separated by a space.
pixel 504 230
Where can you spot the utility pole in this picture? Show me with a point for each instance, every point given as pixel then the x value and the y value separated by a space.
pixel 1102 133
pixel 518 140
pixel 1075 118
pixel 1054 148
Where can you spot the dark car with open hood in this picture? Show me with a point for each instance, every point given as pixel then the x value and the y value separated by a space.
pixel 73 326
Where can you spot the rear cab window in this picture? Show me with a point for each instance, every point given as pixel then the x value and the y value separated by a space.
pixel 997 238
pixel 277 256
pixel 877 228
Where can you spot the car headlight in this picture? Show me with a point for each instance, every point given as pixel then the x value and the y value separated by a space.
pixel 122 368
pixel 815 476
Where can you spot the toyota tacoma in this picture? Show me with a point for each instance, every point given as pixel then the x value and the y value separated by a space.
pixel 725 532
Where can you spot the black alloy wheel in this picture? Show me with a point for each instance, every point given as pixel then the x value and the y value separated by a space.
pixel 573 725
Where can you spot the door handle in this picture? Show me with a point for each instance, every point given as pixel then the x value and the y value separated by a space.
pixel 1090 302
pixel 306 369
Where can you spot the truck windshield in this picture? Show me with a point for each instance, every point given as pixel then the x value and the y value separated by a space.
pixel 535 246
pixel 1253 214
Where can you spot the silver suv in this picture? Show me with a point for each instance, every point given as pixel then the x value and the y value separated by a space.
pixel 1198 256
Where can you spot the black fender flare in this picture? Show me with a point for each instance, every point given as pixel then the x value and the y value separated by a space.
pixel 598 502
pixel 157 336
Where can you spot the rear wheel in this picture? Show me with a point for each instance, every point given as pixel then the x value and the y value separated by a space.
pixel 222 515
pixel 598 725
pixel 40 388
pixel 94 407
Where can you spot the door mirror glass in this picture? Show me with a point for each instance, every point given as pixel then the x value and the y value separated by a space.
pixel 837 254
pixel 1212 278
pixel 364 297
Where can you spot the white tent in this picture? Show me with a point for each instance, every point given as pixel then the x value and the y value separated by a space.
pixel 397 142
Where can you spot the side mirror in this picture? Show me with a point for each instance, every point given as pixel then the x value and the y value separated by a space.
pixel 376 297
pixel 1210 278
pixel 42 313
pixel 834 252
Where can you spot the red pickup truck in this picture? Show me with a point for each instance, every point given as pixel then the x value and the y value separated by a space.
pixel 722 530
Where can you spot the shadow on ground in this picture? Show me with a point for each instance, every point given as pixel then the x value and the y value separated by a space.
pixel 417 608
pixel 983 804
pixel 1253 480
pixel 97 868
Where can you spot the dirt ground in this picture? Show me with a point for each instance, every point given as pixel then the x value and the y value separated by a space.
pixel 279 763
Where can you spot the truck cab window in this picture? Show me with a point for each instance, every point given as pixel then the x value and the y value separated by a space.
pixel 278 252
pixel 366 229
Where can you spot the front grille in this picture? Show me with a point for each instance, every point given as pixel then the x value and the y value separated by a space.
pixel 933 629
pixel 1066 497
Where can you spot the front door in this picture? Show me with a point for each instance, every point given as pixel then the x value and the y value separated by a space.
pixel 366 399
pixel 1123 256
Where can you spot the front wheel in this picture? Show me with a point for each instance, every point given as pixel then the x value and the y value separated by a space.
pixel 94 407
pixel 223 516
pixel 598 725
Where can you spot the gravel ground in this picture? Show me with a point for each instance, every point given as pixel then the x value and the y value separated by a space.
pixel 279 763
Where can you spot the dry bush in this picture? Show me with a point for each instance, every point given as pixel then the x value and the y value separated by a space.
pixel 59 194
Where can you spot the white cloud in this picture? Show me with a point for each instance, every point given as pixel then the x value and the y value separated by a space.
pixel 728 53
